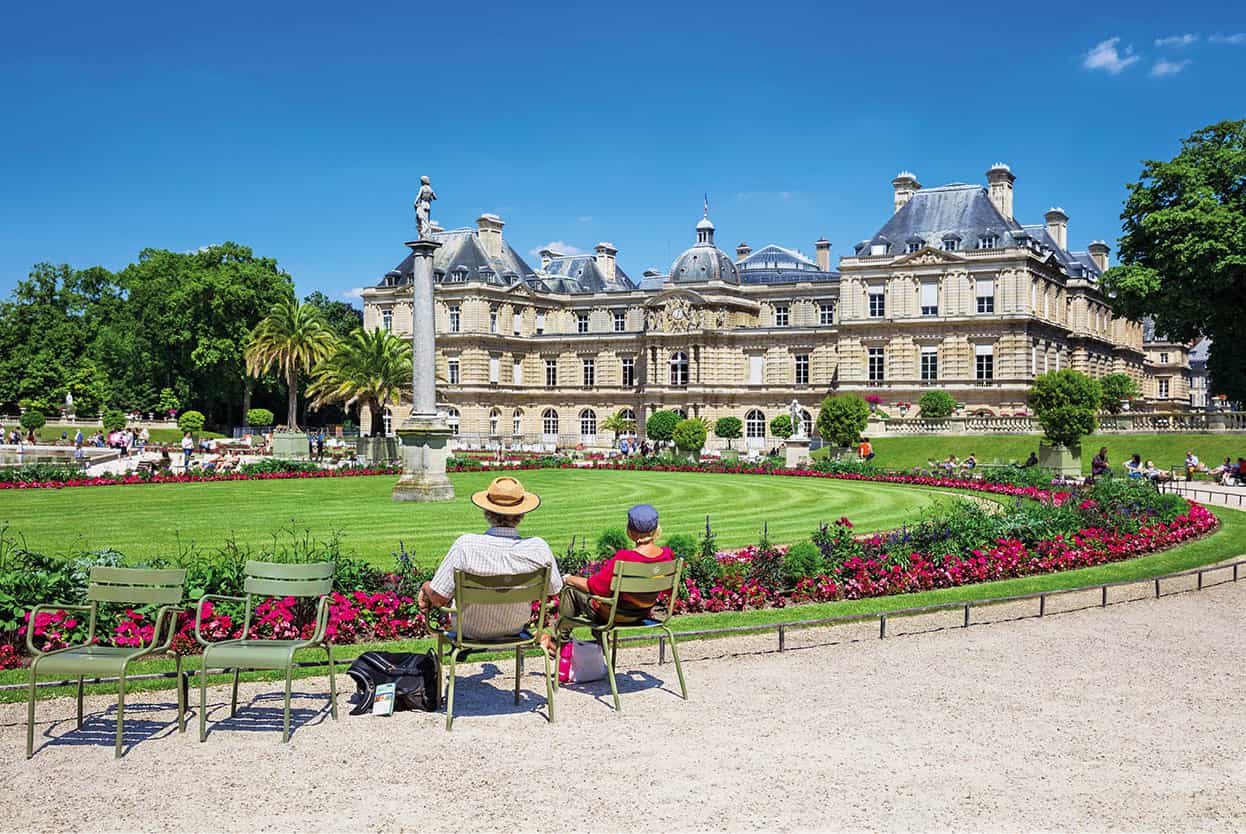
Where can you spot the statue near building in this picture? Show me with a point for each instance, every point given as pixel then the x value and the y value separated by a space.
pixel 798 424
pixel 69 404
pixel 424 208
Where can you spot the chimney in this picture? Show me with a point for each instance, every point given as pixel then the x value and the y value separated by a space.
pixel 489 232
pixel 905 185
pixel 1099 254
pixel 823 247
pixel 547 255
pixel 604 255
pixel 742 251
pixel 999 181
pixel 1058 226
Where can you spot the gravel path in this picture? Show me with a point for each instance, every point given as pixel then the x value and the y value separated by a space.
pixel 1120 719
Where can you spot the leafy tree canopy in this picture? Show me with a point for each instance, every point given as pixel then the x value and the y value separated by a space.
pixel 781 426
pixel 1183 253
pixel 936 405
pixel 1117 388
pixel 842 418
pixel 661 425
pixel 1066 403
pixel 689 435
pixel 341 317
pixel 729 428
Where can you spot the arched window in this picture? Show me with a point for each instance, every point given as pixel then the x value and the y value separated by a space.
pixel 588 422
pixel 517 421
pixel 387 420
pixel 549 421
pixel 755 424
pixel 807 419
pixel 495 418
pixel 452 419
pixel 679 368
pixel 629 415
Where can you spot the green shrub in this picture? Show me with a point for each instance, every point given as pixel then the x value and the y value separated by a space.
pixel 766 566
pixel 836 545
pixel 702 566
pixel 936 405
pixel 259 417
pixel 801 560
pixel 612 540
pixel 32 419
pixel 689 435
pixel 729 429
pixel 168 401
pixel 1065 403
pixel 1118 389
pixel 267 466
pixel 577 558
pixel 191 421
pixel 682 545
pixel 853 465
pixel 38 473
pixel 781 426
pixel 842 418
pixel 660 427
pixel 114 420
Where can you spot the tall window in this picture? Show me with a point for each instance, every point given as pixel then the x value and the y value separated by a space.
pixel 630 416
pixel 806 420
pixel 493 318
pixel 802 369
pixel 756 368
pixel 495 421
pixel 755 424
pixel 588 422
pixel 781 316
pixel 516 321
pixel 986 295
pixel 875 364
pixel 590 372
pixel 985 362
pixel 452 371
pixel 878 304
pixel 620 321
pixel 826 313
pixel 930 298
pixel 629 371
pixel 679 368
pixel 452 420
pixel 1163 389
pixel 517 421
pixel 387 319
pixel 540 323
pixel 495 369
pixel 517 372
pixel 549 421
pixel 930 364
pixel 551 373
pixel 581 322
pixel 454 318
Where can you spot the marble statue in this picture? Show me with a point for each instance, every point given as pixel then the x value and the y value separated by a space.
pixel 424 208
pixel 798 425
pixel 69 403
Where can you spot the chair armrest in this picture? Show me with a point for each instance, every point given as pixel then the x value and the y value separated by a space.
pixel 322 621
pixel 199 614
pixel 30 623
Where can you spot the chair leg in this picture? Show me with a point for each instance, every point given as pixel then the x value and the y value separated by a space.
pixel 120 711
pixel 233 701
pixel 450 693
pixel 285 718
pixel 614 686
pixel 551 686
pixel 30 714
pixel 203 701
pixel 79 702
pixel 679 669
pixel 181 698
pixel 328 650
pixel 518 671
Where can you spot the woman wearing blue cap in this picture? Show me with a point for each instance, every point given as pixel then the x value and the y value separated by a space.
pixel 577 595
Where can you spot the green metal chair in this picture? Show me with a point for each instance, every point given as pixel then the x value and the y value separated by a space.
pixel 476 591
pixel 635 578
pixel 267 579
pixel 127 586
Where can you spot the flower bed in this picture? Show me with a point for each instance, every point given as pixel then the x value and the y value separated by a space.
pixel 170 478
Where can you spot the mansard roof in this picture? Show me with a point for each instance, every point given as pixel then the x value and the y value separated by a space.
pixel 772 256
pixel 462 258
pixel 932 214
pixel 582 274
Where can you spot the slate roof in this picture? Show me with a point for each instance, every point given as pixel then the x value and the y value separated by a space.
pixel 772 257
pixel 959 210
pixel 461 258
pixel 581 274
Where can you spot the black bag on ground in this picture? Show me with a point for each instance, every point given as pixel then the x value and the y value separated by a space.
pixel 414 677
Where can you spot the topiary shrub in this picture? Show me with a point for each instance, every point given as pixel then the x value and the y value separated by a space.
pixel 612 540
pixel 689 435
pixel 682 545
pixel 32 419
pixel 801 560
pixel 259 417
pixel 729 429
pixel 168 402
pixel 660 427
pixel 842 418
pixel 781 426
pixel 937 405
pixel 1065 403
pixel 114 420
pixel 191 421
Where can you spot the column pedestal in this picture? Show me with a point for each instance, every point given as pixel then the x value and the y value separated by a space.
pixel 797 452
pixel 425 447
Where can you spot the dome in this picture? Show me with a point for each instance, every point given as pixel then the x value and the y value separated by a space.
pixel 704 261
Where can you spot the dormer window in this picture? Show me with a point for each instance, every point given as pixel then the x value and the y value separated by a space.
pixel 913 246
pixel 951 243
pixel 486 275
pixel 878 248
pixel 988 242
pixel 457 276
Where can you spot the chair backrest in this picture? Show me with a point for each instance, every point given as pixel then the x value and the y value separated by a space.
pixel 645 577
pixel 279 579
pixel 136 586
pixel 504 589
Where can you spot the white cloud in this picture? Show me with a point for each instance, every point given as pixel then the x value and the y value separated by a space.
pixel 1177 40
pixel 353 292
pixel 1236 39
pixel 1163 67
pixel 1106 56
pixel 558 246
pixel 587 218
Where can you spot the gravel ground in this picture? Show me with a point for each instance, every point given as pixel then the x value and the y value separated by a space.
pixel 1125 718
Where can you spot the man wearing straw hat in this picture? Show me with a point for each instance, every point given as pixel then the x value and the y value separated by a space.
pixel 499 551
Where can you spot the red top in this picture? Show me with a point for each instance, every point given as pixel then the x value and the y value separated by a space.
pixel 599 583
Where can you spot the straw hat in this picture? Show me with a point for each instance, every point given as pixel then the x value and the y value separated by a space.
pixel 506 496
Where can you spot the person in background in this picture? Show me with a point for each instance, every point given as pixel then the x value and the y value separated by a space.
pixel 1032 460
pixel 970 462
pixel 188 450
pixel 1133 466
pixel 623 447
pixel 79 454
pixel 1241 471
pixel 1191 464
pixel 320 444
pixel 1154 474
pixel 1223 472
pixel 144 437
pixel 78 437
pixel 949 465
pixel 1099 466
pixel 166 461
pixel 865 451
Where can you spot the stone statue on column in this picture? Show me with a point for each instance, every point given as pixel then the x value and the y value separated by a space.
pixel 798 424
pixel 424 208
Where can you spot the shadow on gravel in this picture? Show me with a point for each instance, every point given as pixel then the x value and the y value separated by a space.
pixel 257 716
pixel 99 729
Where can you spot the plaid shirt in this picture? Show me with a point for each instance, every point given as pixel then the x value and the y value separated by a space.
pixel 498 552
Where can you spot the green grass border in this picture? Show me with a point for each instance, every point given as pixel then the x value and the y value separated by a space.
pixel 1227 542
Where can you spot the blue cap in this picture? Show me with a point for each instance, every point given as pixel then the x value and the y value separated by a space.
pixel 642 518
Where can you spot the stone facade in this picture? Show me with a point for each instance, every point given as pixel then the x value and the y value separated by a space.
pixel 952 293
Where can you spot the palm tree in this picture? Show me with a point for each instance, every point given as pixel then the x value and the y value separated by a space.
pixel 372 366
pixel 618 424
pixel 293 337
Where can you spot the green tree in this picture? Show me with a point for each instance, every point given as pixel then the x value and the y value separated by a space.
pixel 689 435
pixel 168 402
pixel 32 419
pixel 1066 403
pixel 259 417
pixel 1117 389
pixel 1183 253
pixel 293 337
pixel 372 367
pixel 114 420
pixel 842 418
pixel 342 318
pixel 936 405
pixel 661 426
pixel 781 426
pixel 619 424
pixel 729 429
pixel 191 421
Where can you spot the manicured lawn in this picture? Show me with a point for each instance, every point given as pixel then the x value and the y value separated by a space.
pixel 143 521
pixel 52 434
pixel 1166 450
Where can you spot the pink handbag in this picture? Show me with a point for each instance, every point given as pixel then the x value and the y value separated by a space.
pixel 580 661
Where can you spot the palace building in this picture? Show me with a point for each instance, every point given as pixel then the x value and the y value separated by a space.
pixel 952 292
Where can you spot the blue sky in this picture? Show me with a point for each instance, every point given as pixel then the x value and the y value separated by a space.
pixel 302 129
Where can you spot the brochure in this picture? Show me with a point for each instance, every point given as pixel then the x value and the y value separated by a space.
pixel 383 703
